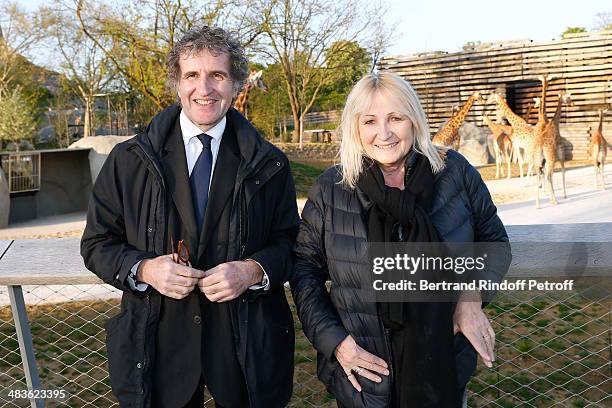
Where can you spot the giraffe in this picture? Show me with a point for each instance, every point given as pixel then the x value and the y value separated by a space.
pixel 552 151
pixel 448 135
pixel 502 145
pixel 253 81
pixel 522 133
pixel 538 130
pixel 529 109
pixel 598 150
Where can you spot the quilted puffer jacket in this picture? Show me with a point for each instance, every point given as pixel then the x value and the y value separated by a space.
pixel 334 227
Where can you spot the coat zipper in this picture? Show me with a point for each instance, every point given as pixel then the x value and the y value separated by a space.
pixel 391 380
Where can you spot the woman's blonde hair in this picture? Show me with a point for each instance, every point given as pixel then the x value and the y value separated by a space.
pixel 405 101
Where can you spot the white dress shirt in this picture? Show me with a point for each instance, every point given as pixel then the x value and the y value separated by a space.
pixel 193 148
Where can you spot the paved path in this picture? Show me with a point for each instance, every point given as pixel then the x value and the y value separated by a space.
pixel 47 227
pixel 584 204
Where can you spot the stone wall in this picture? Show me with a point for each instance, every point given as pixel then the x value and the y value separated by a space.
pixel 310 151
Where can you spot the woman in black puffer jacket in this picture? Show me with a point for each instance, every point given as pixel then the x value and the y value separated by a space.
pixel 392 185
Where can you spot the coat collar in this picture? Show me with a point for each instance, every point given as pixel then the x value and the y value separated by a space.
pixel 174 165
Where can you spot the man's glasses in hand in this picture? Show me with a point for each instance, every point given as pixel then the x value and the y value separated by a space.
pixel 181 255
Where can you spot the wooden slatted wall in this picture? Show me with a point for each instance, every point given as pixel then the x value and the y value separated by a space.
pixel 583 63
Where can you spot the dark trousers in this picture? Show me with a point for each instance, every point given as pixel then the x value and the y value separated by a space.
pixel 197 400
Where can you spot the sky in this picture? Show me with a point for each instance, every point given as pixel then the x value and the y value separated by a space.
pixel 446 25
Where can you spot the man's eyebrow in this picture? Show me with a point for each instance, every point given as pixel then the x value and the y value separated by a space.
pixel 224 73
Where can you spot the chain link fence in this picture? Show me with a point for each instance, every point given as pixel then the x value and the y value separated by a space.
pixel 550 351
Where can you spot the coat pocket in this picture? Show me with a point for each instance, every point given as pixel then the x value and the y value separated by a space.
pixel 125 357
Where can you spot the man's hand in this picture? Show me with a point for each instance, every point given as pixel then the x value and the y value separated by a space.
pixel 167 277
pixel 470 320
pixel 353 358
pixel 229 280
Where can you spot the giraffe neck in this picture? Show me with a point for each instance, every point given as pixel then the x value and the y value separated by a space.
pixel 542 109
pixel 528 114
pixel 462 113
pixel 514 119
pixel 600 126
pixel 451 127
pixel 241 99
pixel 557 114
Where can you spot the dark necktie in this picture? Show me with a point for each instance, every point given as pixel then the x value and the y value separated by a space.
pixel 200 179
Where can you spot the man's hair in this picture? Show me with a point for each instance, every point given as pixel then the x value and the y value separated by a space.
pixel 214 40
pixel 405 101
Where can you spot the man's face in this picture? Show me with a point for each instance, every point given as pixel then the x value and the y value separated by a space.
pixel 205 87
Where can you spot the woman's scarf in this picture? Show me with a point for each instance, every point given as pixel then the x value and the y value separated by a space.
pixel 421 333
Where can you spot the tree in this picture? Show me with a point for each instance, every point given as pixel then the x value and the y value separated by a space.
pixel 352 62
pixel 572 30
pixel 17 118
pixel 87 70
pixel 603 21
pixel 136 37
pixel 20 32
pixel 300 36
pixel 266 110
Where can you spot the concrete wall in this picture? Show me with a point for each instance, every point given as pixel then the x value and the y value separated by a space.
pixel 5 201
pixel 100 147
pixel 65 186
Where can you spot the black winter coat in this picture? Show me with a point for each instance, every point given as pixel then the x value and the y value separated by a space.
pixel 127 222
pixel 333 229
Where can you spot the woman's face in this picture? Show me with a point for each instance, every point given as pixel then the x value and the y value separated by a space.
pixel 387 136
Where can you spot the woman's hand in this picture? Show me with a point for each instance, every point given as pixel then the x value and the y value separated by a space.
pixel 353 358
pixel 470 320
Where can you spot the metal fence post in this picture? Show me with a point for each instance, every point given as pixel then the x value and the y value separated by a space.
pixel 26 347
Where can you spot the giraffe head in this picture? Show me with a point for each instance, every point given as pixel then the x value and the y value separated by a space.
pixel 566 98
pixel 480 96
pixel 256 81
pixel 494 97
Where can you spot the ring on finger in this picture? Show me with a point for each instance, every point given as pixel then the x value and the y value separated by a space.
pixel 357 370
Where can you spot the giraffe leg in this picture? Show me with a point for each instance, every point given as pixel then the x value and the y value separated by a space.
pixel 537 186
pixel 563 177
pixel 509 157
pixel 550 169
pixel 497 159
pixel 603 181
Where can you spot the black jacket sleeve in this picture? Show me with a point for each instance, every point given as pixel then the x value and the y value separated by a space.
pixel 104 245
pixel 276 258
pixel 320 320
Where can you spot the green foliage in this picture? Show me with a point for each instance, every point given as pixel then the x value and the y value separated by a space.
pixel 351 62
pixel 265 109
pixel 573 30
pixel 17 118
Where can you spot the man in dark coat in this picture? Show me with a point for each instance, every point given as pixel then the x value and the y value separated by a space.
pixel 199 173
